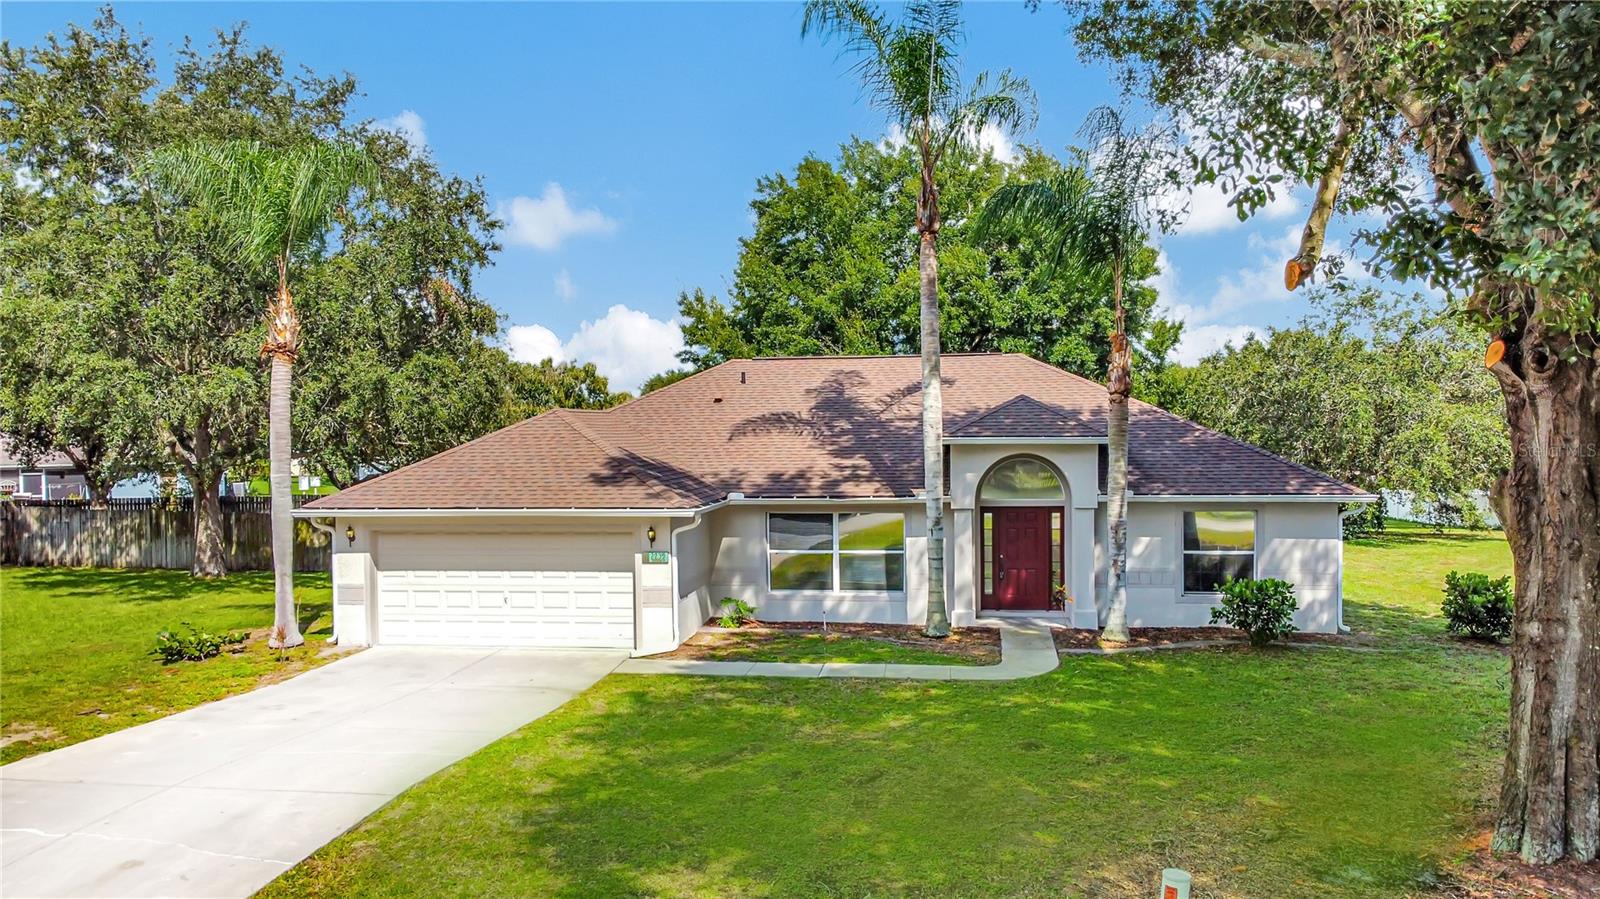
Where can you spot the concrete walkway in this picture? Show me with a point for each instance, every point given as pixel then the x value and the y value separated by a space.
pixel 1026 650
pixel 221 799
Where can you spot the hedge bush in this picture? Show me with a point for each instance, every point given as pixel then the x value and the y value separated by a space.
pixel 1478 606
pixel 1263 609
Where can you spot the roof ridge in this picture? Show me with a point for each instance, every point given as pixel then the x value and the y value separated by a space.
pixel 1060 371
pixel 1248 445
pixel 999 407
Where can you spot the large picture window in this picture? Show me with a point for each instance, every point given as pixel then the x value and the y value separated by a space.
pixel 1217 546
pixel 849 551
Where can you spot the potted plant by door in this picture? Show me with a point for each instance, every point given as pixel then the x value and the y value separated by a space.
pixel 1059 598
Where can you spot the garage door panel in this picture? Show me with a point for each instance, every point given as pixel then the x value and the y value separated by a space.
pixel 567 590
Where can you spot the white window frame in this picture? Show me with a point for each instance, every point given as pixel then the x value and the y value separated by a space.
pixel 834 551
pixel 1185 552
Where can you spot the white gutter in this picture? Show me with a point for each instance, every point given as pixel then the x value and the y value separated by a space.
pixel 1248 498
pixel 1339 593
pixel 1027 440
pixel 305 512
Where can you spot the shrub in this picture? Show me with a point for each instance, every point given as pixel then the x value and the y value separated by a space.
pixel 735 612
pixel 1478 606
pixel 172 646
pixel 1263 609
pixel 1370 520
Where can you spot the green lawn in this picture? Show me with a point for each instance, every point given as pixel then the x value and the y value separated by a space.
pixel 1323 772
pixel 1393 583
pixel 74 647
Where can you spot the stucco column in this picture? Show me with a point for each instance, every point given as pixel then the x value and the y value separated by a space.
pixel 961 562
pixel 1085 613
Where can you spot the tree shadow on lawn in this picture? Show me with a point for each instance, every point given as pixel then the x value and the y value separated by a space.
pixel 1254 769
pixel 145 585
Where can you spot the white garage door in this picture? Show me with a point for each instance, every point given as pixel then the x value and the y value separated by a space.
pixel 556 590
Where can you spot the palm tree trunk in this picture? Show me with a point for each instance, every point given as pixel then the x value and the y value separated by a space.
pixel 283 333
pixel 1118 386
pixel 938 621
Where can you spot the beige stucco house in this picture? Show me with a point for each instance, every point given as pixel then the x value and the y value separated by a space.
pixel 795 485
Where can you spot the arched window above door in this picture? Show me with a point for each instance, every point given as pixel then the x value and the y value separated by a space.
pixel 1022 479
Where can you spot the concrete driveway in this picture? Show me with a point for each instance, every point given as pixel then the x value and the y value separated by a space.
pixel 219 800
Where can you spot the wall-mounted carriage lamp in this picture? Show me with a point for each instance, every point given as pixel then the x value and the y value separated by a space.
pixel 350 534
pixel 650 534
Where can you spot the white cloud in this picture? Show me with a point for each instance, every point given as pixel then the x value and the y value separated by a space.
pixel 1200 342
pixel 534 343
pixel 546 221
pixel 1209 212
pixel 626 345
pixel 989 137
pixel 565 289
pixel 410 127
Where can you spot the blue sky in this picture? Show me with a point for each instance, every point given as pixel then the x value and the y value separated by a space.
pixel 622 143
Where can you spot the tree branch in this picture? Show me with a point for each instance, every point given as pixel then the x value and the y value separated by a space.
pixel 1297 55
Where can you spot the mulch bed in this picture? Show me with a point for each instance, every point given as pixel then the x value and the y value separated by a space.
pixel 1165 636
pixel 1484 875
pixel 980 644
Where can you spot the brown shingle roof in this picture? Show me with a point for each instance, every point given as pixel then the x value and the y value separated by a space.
pixel 832 426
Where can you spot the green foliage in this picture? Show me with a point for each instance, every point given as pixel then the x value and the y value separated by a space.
pixel 1475 126
pixel 735 612
pixel 1369 520
pixel 195 646
pixel 657 381
pixel 263 202
pixel 1373 390
pixel 1478 606
pixel 399 360
pixel 829 269
pixel 1264 609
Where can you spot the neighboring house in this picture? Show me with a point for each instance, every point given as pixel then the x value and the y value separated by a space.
pixel 52 476
pixel 794 484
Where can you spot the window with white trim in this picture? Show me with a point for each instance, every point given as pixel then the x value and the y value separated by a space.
pixel 1218 545
pixel 845 551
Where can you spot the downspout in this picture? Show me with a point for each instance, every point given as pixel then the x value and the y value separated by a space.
pixel 328 529
pixel 1344 515
pixel 699 519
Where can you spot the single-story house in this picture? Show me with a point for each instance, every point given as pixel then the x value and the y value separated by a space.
pixel 51 476
pixel 795 484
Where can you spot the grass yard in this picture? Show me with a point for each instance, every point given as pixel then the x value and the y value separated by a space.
pixel 1323 772
pixel 1394 582
pixel 74 647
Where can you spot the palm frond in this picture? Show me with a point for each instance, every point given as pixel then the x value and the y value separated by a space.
pixel 1003 100
pixel 1060 212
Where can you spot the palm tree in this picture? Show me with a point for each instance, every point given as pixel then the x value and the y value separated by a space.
pixel 265 203
pixel 909 70
pixel 1094 221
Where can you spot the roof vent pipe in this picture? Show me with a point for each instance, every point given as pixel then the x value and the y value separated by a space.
pixel 741 377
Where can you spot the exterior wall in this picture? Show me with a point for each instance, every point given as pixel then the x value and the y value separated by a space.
pixel 738 550
pixel 1296 542
pixel 356 565
pixel 692 566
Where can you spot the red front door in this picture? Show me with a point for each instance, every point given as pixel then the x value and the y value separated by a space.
pixel 1021 560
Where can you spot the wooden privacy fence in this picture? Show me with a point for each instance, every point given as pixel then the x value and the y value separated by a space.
pixel 146 533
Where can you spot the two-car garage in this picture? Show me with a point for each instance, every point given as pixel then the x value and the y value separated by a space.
pixel 545 589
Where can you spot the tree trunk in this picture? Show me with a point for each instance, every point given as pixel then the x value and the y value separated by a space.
pixel 283 337
pixel 209 558
pixel 1119 385
pixel 1549 504
pixel 938 622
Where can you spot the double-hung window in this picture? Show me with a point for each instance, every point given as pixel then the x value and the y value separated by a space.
pixel 846 551
pixel 1218 546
